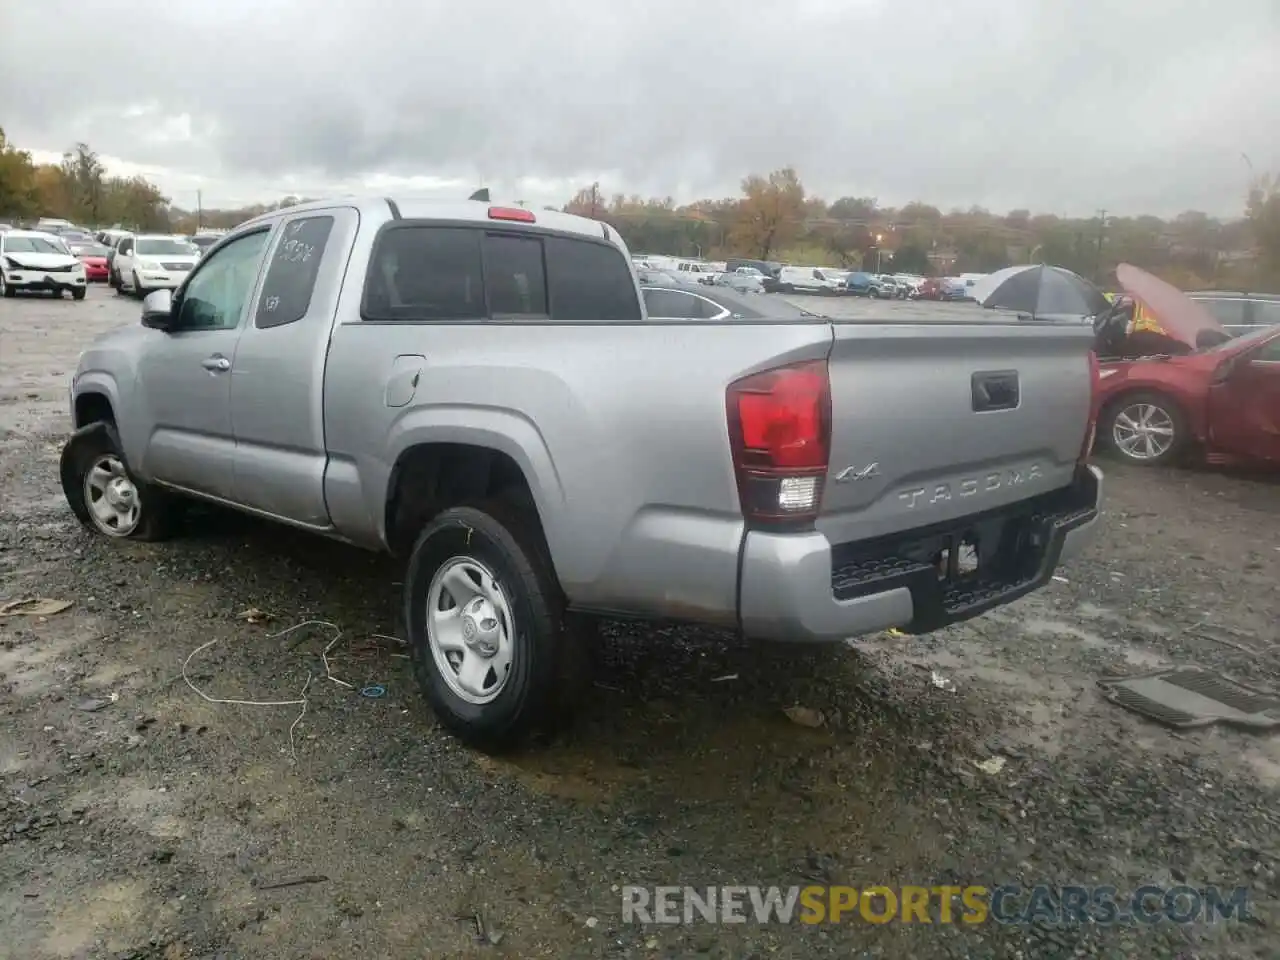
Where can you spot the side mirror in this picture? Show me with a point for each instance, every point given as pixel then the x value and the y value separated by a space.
pixel 157 310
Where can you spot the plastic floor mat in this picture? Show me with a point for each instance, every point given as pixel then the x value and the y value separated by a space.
pixel 1189 697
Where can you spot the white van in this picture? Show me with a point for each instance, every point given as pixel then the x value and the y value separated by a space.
pixel 810 280
pixel 697 270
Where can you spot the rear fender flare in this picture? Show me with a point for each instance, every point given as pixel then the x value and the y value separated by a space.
pixel 496 428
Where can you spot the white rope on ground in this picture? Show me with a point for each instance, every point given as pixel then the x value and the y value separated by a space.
pixel 301 700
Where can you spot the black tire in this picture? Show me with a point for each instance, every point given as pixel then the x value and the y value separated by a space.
pixel 786 288
pixel 139 290
pixel 1125 407
pixel 79 293
pixel 112 282
pixel 7 290
pixel 88 446
pixel 549 662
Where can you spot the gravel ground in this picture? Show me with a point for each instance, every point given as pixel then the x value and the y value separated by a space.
pixel 138 820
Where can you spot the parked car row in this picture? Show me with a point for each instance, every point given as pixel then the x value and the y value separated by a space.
pixel 766 276
pixel 66 261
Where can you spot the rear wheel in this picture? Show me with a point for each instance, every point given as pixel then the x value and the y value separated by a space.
pixel 494 653
pixel 1144 428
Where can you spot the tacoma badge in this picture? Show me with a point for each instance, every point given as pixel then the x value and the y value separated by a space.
pixel 971 486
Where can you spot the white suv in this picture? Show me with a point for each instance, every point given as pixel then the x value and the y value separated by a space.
pixel 34 261
pixel 152 261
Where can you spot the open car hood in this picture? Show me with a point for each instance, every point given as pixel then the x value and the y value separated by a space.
pixel 1178 315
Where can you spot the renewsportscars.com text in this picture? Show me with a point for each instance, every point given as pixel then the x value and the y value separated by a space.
pixel 1004 904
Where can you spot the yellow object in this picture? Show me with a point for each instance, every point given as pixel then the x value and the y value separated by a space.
pixel 1144 320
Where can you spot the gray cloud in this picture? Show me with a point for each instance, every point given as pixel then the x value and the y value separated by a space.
pixel 1126 104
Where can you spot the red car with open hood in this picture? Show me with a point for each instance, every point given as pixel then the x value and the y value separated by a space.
pixel 1223 400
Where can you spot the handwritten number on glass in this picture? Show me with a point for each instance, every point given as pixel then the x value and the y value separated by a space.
pixel 296 251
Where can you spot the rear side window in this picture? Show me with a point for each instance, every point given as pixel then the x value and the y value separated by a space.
pixel 514 277
pixel 671 305
pixel 589 282
pixel 291 275
pixel 680 305
pixel 426 273
pixel 1228 312
pixel 1267 313
pixel 461 273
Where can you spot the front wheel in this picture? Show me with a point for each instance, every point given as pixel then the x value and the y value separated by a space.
pixel 492 649
pixel 138 290
pixel 102 493
pixel 1144 428
pixel 79 293
pixel 5 289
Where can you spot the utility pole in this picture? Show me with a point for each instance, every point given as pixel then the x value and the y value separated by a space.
pixel 1097 257
pixel 199 209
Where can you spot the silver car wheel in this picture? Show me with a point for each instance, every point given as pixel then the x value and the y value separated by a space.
pixel 115 506
pixel 470 630
pixel 1143 431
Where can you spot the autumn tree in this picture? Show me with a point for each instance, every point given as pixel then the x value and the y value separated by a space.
pixel 83 176
pixel 771 213
pixel 135 201
pixel 862 209
pixel 17 181
pixel 910 258
pixel 588 202
pixel 52 196
pixel 1263 215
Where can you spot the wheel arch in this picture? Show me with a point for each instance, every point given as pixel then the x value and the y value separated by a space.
pixel 432 476
pixel 93 405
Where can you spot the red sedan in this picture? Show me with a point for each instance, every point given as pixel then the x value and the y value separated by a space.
pixel 930 289
pixel 94 258
pixel 1224 400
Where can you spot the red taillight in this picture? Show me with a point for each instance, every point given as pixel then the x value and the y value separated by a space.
pixel 518 214
pixel 780 436
pixel 1095 379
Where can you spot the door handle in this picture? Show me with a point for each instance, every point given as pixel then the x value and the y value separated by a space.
pixel 216 364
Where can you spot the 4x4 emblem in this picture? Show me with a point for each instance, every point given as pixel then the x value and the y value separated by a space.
pixel 854 474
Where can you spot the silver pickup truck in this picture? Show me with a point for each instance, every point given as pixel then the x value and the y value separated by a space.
pixel 477 388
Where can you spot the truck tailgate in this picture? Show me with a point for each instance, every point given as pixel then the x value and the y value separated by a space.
pixel 934 422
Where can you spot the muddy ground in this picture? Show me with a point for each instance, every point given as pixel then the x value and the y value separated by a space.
pixel 139 820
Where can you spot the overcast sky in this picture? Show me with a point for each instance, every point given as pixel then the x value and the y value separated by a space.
pixel 1064 106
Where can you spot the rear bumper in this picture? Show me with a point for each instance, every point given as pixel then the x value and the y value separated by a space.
pixel 802 588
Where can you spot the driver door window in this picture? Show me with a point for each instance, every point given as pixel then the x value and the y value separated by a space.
pixel 216 295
